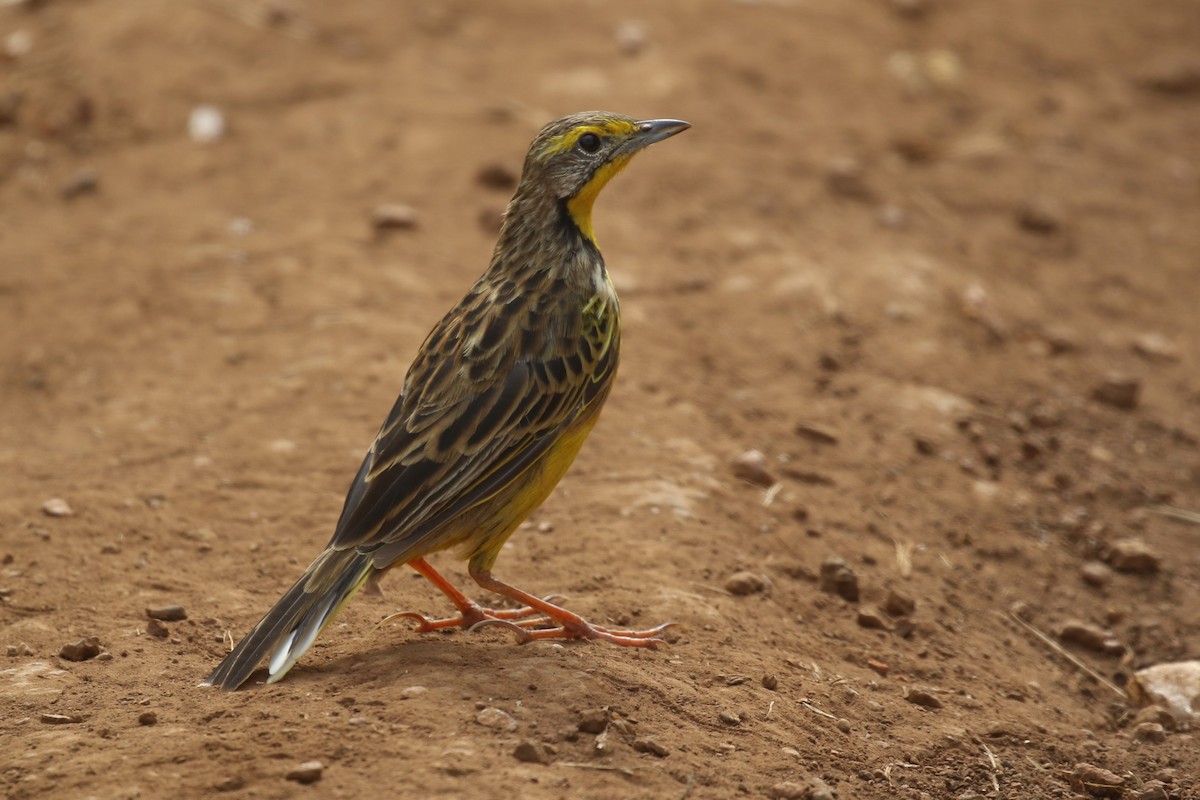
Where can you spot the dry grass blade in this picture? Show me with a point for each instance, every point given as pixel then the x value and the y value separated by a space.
pixel 626 771
pixel 1177 513
pixel 1079 664
pixel 904 551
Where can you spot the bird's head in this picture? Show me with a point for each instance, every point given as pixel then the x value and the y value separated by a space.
pixel 574 157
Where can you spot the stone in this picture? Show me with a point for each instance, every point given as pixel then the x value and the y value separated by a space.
pixel 394 217
pixel 409 692
pixel 206 124
pixel 496 719
pixel 1096 781
pixel 1093 637
pixel 751 466
pixel 651 746
pixel 148 718
pixel 744 583
pixel 1040 215
pixel 1118 391
pixel 157 629
pixel 84 649
pixel 61 719
pixel 729 718
pixel 1096 573
pixel 1155 347
pixel 838 578
pixel 593 721
pixel 530 752
pixel 167 613
pixel 308 772
pixel 870 618
pixel 770 682
pixel 1156 714
pixel 1150 732
pixel 922 697
pixel 57 507
pixel 1133 556
pixel 898 604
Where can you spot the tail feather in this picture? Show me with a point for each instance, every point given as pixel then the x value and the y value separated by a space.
pixel 290 628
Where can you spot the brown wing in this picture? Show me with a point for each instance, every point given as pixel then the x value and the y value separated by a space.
pixel 471 419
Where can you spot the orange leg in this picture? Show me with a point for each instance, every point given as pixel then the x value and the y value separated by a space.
pixel 470 613
pixel 570 625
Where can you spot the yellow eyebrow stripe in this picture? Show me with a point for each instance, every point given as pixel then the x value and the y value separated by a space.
pixel 566 141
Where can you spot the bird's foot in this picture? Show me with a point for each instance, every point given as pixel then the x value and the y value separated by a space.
pixel 475 616
pixel 580 628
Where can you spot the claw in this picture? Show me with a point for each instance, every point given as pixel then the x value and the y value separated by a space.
pixel 523 636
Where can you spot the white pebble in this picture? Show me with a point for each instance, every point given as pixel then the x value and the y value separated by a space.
pixel 206 124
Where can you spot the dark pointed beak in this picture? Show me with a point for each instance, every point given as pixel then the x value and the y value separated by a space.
pixel 655 130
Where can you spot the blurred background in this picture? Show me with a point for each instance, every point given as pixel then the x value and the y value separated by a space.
pixel 910 338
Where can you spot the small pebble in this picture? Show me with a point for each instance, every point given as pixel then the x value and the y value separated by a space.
pixel 744 583
pixel 157 629
pixel 870 618
pixel 911 9
pixel 1157 715
pixel 898 604
pixel 770 682
pixel 82 650
pixel 843 725
pixel 838 578
pixel 1150 732
pixel 790 790
pixel 394 217
pixel 729 718
pixel 167 613
pixel 593 721
pixel 531 752
pixel 409 692
pixel 1133 556
pixel 815 433
pixel 496 719
pixel 751 466
pixel 57 507
pixel 880 668
pixel 631 37
pixel 845 177
pixel 206 124
pixel 148 718
pixel 1096 573
pixel 1040 215
pixel 308 772
pixel 1096 781
pixel 1093 637
pixel 1172 74
pixel 1155 347
pixel 1153 790
pixel 652 746
pixel 18 650
pixel 922 697
pixel 10 104
pixel 1118 391
pixel 61 719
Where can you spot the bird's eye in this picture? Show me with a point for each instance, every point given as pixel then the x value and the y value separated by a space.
pixel 589 143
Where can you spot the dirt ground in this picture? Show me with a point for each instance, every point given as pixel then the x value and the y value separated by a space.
pixel 937 261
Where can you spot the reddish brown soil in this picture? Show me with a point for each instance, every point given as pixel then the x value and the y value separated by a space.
pixel 929 237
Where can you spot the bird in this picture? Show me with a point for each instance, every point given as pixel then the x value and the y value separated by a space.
pixel 493 410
